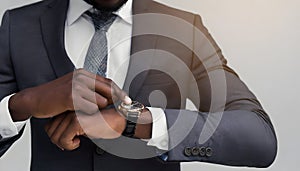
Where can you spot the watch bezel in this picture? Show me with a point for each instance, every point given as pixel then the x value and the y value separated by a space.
pixel 134 107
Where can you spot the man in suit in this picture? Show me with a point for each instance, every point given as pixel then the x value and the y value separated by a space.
pixel 165 57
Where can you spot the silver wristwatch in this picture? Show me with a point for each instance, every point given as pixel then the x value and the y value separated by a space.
pixel 132 113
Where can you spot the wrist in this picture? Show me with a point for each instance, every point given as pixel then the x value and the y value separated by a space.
pixel 119 123
pixel 144 125
pixel 19 106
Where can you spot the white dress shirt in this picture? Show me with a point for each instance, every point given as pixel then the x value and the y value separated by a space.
pixel 79 31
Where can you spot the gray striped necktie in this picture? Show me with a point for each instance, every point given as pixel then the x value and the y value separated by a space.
pixel 96 58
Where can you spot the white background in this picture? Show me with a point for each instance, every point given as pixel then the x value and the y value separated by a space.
pixel 260 39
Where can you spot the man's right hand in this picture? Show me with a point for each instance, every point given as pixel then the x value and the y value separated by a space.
pixel 79 90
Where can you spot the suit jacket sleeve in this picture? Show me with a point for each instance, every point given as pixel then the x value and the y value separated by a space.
pixel 8 83
pixel 230 127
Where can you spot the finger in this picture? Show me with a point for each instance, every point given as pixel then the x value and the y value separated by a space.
pixel 69 139
pixel 112 91
pixel 55 137
pixel 95 98
pixel 75 144
pixel 120 94
pixel 83 105
pixel 84 83
pixel 105 87
pixel 80 103
pixel 53 124
pixel 90 75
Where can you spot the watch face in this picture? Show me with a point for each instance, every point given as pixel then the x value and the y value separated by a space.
pixel 133 107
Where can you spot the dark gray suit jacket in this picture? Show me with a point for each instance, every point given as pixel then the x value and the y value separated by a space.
pixel 32 53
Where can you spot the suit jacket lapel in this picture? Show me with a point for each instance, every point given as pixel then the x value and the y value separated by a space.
pixel 52 25
pixel 140 42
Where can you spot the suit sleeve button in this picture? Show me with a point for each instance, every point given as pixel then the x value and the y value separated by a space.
pixel 195 151
pixel 209 152
pixel 188 151
pixel 202 151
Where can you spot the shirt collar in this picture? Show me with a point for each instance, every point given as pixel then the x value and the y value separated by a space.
pixel 78 7
pixel 125 12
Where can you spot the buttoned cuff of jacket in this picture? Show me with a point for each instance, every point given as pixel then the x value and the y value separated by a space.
pixel 8 128
pixel 160 137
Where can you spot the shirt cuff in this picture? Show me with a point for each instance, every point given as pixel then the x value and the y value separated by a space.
pixel 160 137
pixel 8 128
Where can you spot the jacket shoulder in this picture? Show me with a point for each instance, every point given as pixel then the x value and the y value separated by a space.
pixel 30 10
pixel 165 9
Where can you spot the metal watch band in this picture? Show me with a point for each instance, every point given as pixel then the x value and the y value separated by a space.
pixel 132 118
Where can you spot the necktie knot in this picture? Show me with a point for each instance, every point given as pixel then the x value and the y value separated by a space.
pixel 102 19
